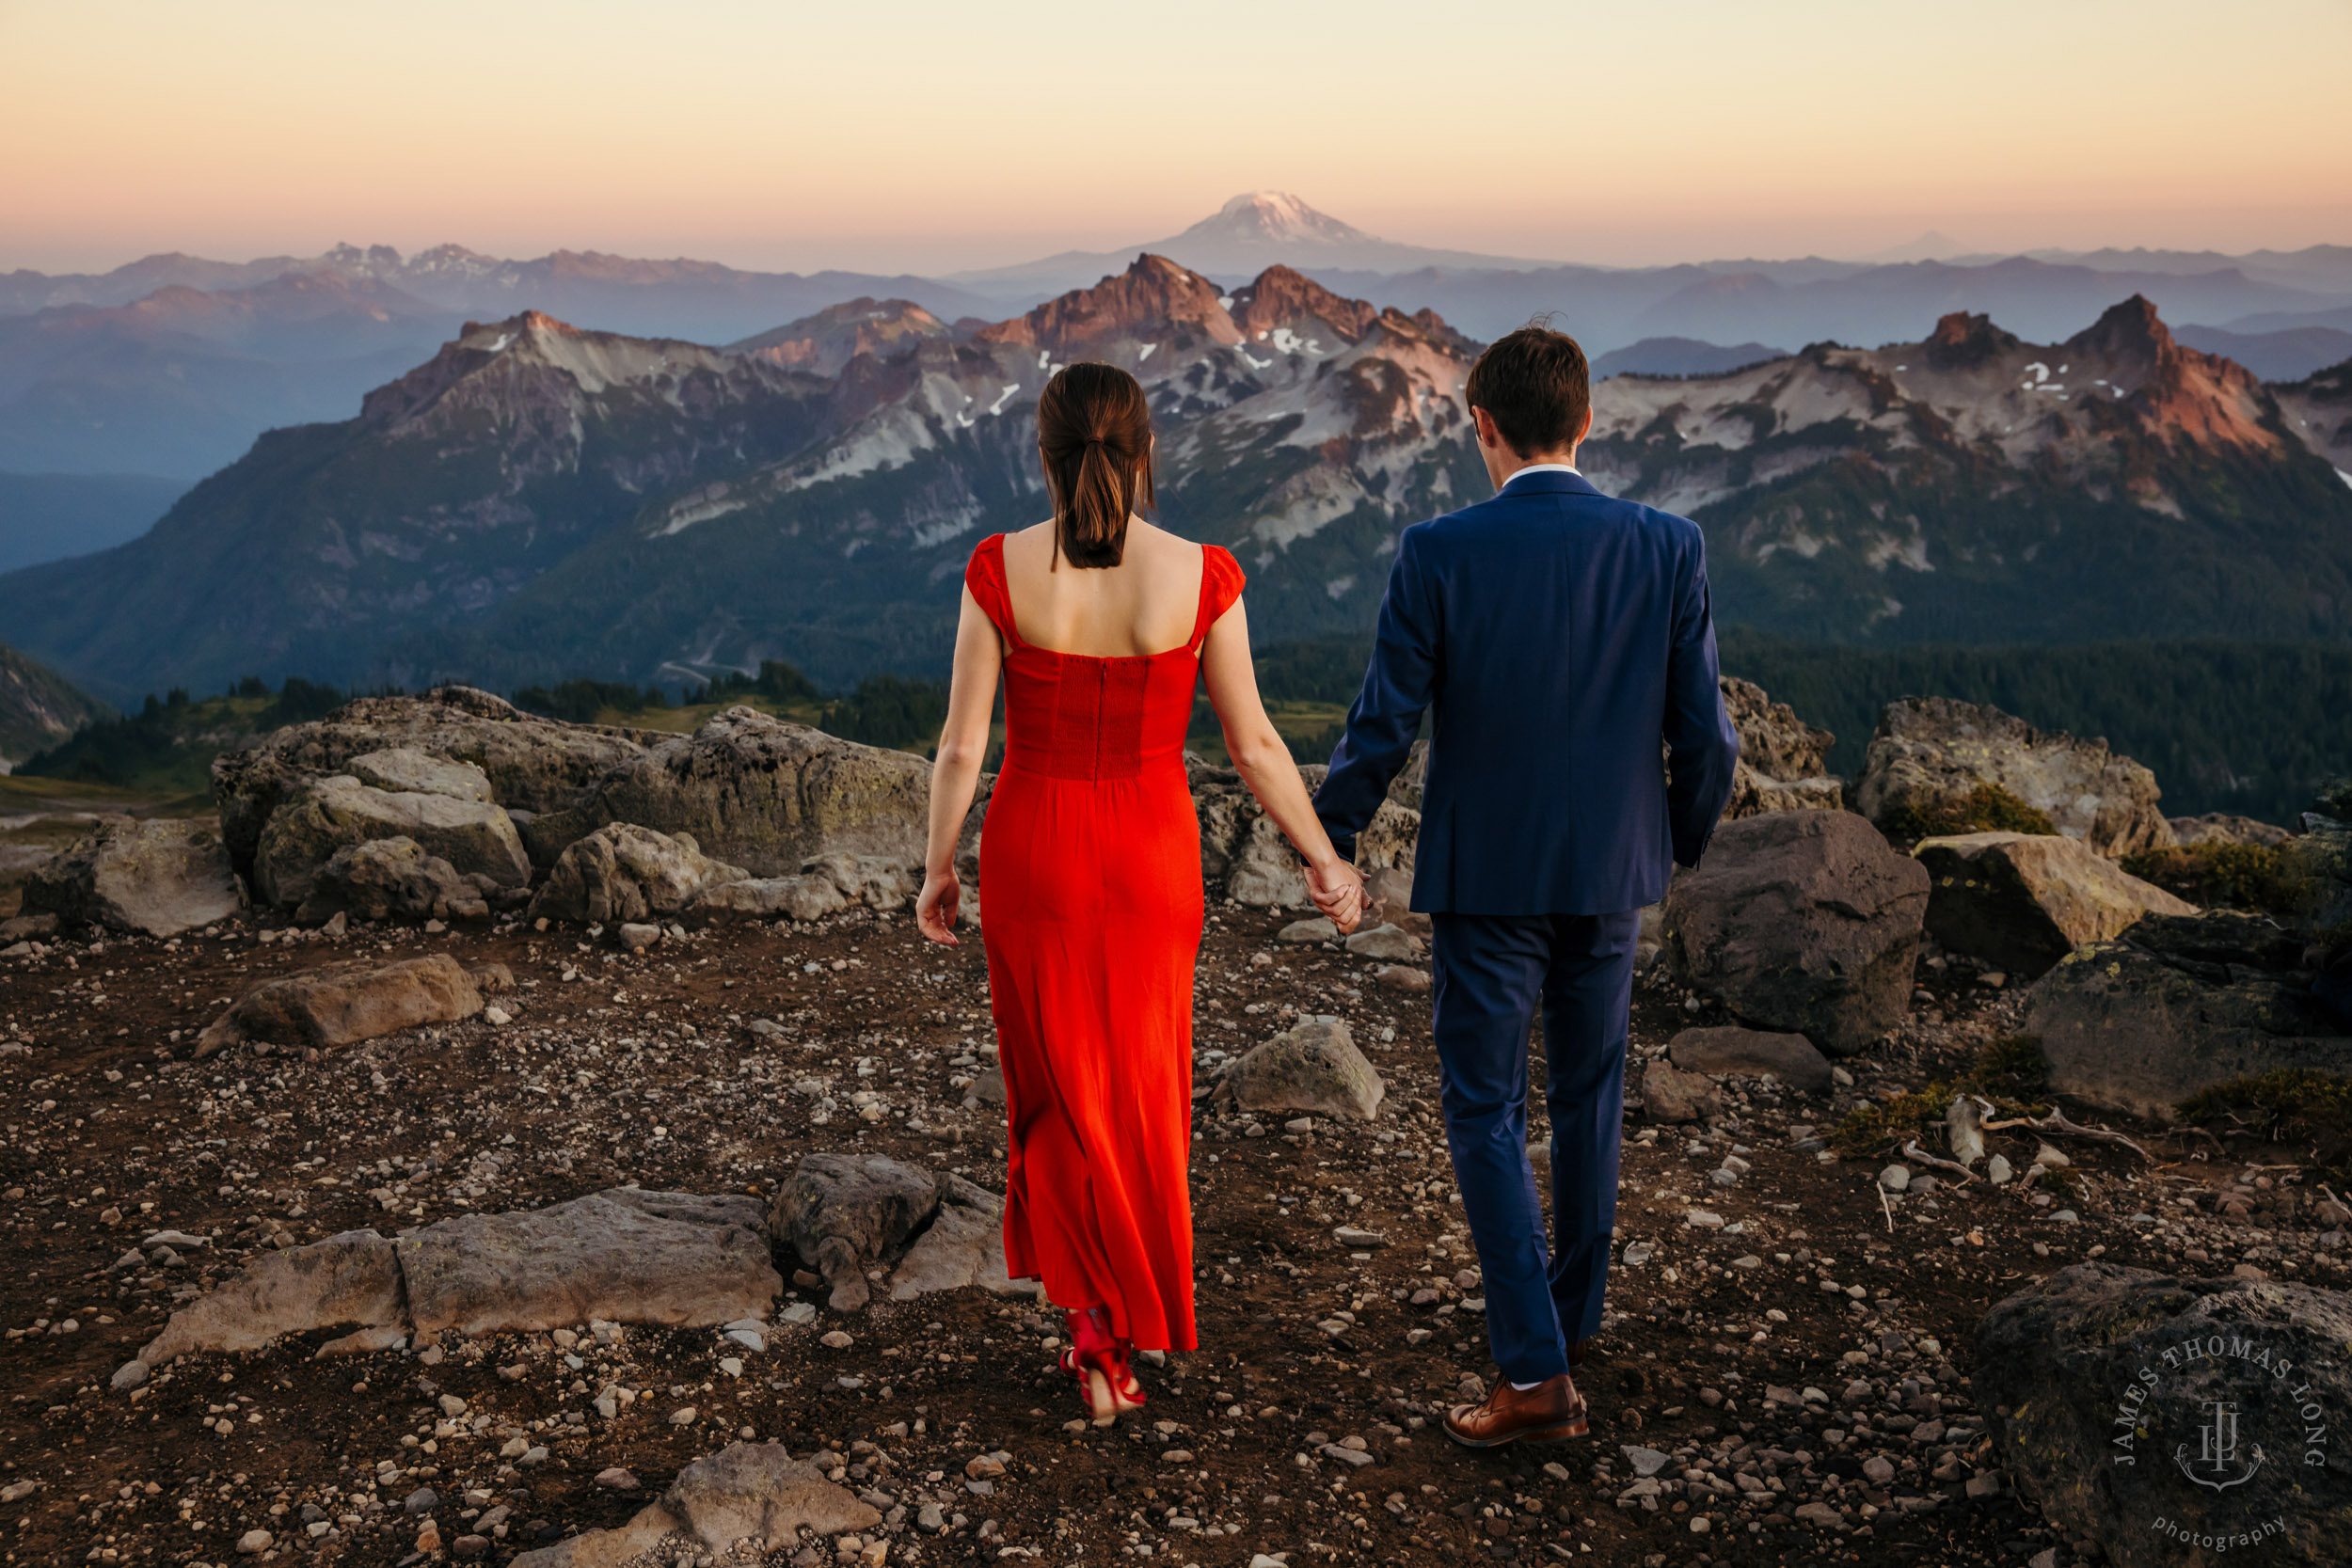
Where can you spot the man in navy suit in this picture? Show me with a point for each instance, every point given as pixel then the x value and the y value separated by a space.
pixel 1560 640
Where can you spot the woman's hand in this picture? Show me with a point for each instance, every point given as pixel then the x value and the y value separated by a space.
pixel 935 910
pixel 1338 890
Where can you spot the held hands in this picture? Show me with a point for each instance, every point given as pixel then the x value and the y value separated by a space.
pixel 1339 893
pixel 935 910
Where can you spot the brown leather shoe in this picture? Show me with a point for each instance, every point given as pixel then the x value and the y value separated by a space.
pixel 1551 1412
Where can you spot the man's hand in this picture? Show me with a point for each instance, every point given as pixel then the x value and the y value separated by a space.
pixel 1339 893
pixel 935 910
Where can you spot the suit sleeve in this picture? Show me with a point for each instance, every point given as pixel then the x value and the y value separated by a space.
pixel 1386 718
pixel 1701 746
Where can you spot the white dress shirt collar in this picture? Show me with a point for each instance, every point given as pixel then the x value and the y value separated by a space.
pixel 1543 469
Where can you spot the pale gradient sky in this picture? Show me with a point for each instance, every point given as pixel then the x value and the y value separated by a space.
pixel 935 137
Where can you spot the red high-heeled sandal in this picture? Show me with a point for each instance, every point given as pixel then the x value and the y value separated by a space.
pixel 1101 1364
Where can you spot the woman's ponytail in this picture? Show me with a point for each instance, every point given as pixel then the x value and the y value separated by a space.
pixel 1094 439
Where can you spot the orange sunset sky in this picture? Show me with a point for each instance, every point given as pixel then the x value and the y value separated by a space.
pixel 936 137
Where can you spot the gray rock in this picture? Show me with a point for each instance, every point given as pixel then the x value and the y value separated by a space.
pixel 405 769
pixel 2217 827
pixel 1304 932
pixel 1930 753
pixel 758 793
pixel 757 1491
pixel 629 1545
pixel 622 1255
pixel 1645 1461
pixel 1670 1094
pixel 1896 1179
pixel 342 1003
pixel 392 879
pixel 809 896
pixel 1390 892
pixel 844 1215
pixel 1386 943
pixel 320 817
pixel 2022 902
pixel 2103 1380
pixel 2177 1005
pixel 1728 1048
pixel 1245 857
pixel 1805 920
pixel 964 1244
pixel 637 938
pixel 1784 761
pixel 623 872
pixel 534 764
pixel 160 877
pixel 350 1278
pixel 1313 1066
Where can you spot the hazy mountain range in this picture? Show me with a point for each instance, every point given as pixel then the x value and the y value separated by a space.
pixel 172 365
pixel 539 500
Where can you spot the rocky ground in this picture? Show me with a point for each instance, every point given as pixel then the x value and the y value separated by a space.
pixel 1784 1380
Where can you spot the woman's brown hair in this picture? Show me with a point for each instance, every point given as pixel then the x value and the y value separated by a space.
pixel 1094 438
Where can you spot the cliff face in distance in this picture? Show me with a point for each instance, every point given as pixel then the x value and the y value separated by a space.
pixel 537 502
pixel 39 707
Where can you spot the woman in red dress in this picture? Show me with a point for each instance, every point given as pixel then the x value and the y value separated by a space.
pixel 1099 625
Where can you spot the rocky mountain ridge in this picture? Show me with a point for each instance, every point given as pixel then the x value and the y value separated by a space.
pixel 537 502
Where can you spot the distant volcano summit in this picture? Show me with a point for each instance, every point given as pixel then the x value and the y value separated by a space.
pixel 1250 233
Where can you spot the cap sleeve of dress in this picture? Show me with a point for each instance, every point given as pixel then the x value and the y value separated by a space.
pixel 984 574
pixel 1221 582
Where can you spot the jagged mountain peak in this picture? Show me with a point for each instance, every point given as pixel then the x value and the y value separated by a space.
pixel 1154 296
pixel 825 342
pixel 532 356
pixel 1963 342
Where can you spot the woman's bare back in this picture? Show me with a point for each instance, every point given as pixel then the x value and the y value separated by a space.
pixel 1144 605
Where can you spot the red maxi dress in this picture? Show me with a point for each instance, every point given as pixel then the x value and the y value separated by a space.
pixel 1090 912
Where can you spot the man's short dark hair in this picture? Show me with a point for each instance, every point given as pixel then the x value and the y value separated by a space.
pixel 1535 383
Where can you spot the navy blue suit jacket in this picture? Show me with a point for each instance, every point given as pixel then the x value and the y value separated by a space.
pixel 1557 636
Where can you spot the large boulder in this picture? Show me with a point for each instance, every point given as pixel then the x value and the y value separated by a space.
pixel 345 1002
pixel 1727 1050
pixel 2178 1004
pixel 319 816
pixel 964 1244
pixel 844 1214
pixel 2151 1415
pixel 758 1491
pixel 160 877
pixel 758 793
pixel 1930 755
pixel 392 879
pixel 1784 761
pixel 1805 920
pixel 2217 827
pixel 626 872
pixel 352 1279
pixel 1313 1066
pixel 675 1259
pixel 2323 854
pixel 625 1255
pixel 1246 858
pixel 2022 902
pixel 533 764
pixel 748 1497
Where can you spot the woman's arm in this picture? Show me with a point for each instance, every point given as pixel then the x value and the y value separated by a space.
pixel 1265 762
pixel 956 772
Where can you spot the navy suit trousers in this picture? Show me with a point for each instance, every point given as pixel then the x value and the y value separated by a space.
pixel 1492 972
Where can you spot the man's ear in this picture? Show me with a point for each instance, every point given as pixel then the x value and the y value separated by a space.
pixel 1587 428
pixel 1484 423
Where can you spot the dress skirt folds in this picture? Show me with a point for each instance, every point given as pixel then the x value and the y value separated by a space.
pixel 1091 900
